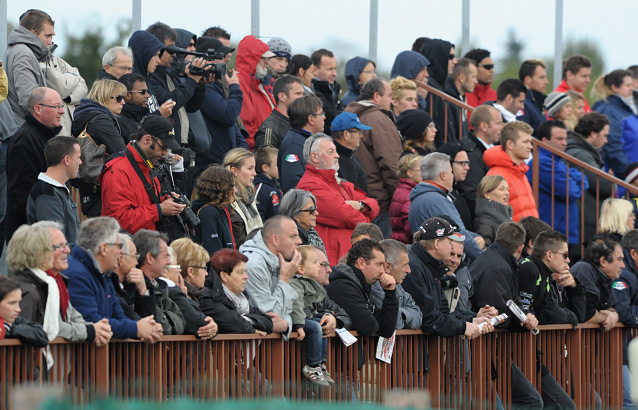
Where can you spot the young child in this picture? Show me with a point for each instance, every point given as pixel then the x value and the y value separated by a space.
pixel 307 320
pixel 267 189
pixel 14 326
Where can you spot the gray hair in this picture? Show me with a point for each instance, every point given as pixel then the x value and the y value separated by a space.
pixel 147 241
pixel 372 86
pixel 433 164
pixel 630 240
pixel 310 146
pixel 124 238
pixel 293 202
pixel 49 225
pixel 392 249
pixel 97 231
pixel 112 53
pixel 36 97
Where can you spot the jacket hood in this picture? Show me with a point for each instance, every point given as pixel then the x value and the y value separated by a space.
pixel 423 188
pixel 133 111
pixel 577 141
pixel 257 246
pixel 363 107
pixel 88 105
pixel 249 51
pixel 343 271
pixel 409 64
pixel 22 35
pixel 437 51
pixel 354 66
pixel 184 37
pixel 496 157
pixel 144 46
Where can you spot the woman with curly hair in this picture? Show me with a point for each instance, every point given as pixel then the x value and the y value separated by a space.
pixel 216 191
pixel 244 214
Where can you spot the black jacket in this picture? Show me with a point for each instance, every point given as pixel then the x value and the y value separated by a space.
pixel 330 98
pixel 273 130
pixel 495 278
pixel 49 202
pixel 268 193
pixel 25 161
pixel 290 159
pixel 350 168
pixel 535 293
pixel 424 286
pixel 461 206
pixel 102 125
pixel 30 333
pixel 456 117
pixel 214 232
pixel 349 289
pixel 478 169
pixel 190 310
pixel 598 288
pixel 129 119
pixel 626 293
pixel 134 305
pixel 437 51
pixel 103 75
pixel 187 94
pixel 214 303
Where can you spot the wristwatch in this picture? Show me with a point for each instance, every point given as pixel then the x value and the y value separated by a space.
pixel 363 205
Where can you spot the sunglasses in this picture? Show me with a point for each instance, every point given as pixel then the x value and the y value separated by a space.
pixel 452 56
pixel 140 91
pixel 118 98
pixel 487 66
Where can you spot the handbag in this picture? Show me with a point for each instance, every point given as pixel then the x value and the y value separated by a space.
pixel 93 158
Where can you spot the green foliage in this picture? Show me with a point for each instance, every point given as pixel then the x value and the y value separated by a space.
pixel 85 51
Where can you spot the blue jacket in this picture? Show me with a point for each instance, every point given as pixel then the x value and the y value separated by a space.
pixel 546 159
pixel 93 295
pixel 626 293
pixel 215 231
pixel 221 115
pixel 290 159
pixel 622 142
pixel 354 66
pixel 533 111
pixel 429 201
pixel 409 64
pixel 269 196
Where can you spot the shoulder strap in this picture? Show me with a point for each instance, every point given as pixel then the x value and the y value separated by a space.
pixel 150 189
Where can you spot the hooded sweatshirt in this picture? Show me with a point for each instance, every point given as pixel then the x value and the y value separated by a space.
pixel 409 64
pixel 354 66
pixel 24 55
pixel 267 292
pixel 437 51
pixel 521 196
pixel 144 46
pixel 258 101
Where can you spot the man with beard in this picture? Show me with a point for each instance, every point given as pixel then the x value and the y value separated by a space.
pixel 136 106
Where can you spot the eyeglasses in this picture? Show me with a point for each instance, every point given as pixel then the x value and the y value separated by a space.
pixel 117 98
pixel 140 91
pixel 432 125
pixel 451 56
pixel 60 246
pixel 136 256
pixel 55 107
pixel 311 211
pixel 173 267
pixel 127 69
pixel 354 131
pixel 323 114
pixel 325 264
pixel 462 163
pixel 368 72
pixel 487 66
pixel 199 267
pixel 117 245
pixel 564 254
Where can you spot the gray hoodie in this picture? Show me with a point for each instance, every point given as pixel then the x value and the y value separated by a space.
pixel 23 68
pixel 267 292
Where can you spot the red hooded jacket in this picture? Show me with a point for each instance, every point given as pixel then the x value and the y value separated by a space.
pixel 480 94
pixel 521 196
pixel 258 102
pixel 336 219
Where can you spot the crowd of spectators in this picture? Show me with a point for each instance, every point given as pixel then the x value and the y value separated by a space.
pixel 380 209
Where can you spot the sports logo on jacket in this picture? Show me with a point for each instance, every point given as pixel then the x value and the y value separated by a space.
pixel 274 197
pixel 291 158
pixel 620 285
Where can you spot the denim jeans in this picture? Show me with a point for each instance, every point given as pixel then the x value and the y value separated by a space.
pixel 626 388
pixel 3 189
pixel 316 344
pixel 383 222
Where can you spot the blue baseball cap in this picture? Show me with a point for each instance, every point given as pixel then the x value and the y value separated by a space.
pixel 347 120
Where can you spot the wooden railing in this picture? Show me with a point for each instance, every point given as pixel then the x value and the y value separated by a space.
pixel 584 360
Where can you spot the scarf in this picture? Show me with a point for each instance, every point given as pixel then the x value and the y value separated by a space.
pixel 64 293
pixel 630 102
pixel 240 301
pixel 51 323
pixel 499 212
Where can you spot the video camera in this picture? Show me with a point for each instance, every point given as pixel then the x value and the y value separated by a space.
pixel 216 69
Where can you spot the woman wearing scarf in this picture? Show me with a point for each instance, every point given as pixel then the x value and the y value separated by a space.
pixel 301 206
pixel 492 207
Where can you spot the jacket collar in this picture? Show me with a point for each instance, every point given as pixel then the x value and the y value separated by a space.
pixel 437 268
pixel 343 150
pixel 441 187
pixel 135 112
pixel 46 131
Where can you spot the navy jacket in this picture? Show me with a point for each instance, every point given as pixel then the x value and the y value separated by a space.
pixel 478 169
pixel 626 293
pixel 221 115
pixel 437 51
pixel 354 66
pixel 598 288
pixel 268 194
pixel 93 295
pixel 290 159
pixel 214 233
pixel 144 46
pixel 533 111
pixel 622 144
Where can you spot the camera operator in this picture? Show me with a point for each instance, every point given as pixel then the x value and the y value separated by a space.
pixel 220 110
pixel 188 93
pixel 134 189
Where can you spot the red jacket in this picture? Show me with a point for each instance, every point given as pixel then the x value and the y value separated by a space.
pixel 258 102
pixel 521 196
pixel 481 94
pixel 563 88
pixel 336 219
pixel 399 209
pixel 124 196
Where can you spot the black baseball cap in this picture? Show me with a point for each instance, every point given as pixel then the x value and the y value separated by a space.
pixel 162 129
pixel 436 228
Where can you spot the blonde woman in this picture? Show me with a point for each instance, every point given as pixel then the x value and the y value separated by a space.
pixel 244 216
pixel 403 95
pixel 193 260
pixel 578 109
pixel 616 217
pixel 492 207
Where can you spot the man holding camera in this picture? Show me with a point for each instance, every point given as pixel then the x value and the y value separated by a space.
pixel 131 188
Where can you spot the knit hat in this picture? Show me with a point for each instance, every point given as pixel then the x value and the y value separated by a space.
pixel 451 149
pixel 554 102
pixel 412 123
pixel 632 172
pixel 280 47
